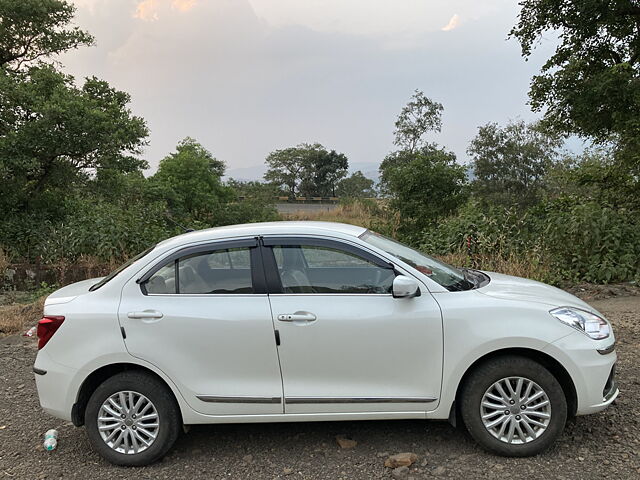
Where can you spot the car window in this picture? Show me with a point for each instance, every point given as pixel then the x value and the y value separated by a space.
pixel 225 271
pixel 322 269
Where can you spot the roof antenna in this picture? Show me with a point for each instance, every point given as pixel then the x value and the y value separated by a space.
pixel 187 230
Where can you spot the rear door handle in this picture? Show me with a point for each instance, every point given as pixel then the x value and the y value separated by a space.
pixel 145 314
pixel 297 317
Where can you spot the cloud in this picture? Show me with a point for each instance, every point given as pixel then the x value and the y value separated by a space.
pixel 148 9
pixel 183 5
pixel 453 23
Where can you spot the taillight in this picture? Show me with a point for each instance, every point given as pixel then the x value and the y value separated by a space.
pixel 47 326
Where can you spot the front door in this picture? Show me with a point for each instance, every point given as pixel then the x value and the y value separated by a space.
pixel 346 344
pixel 202 316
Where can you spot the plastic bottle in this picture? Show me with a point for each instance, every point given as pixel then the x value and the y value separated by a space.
pixel 50 440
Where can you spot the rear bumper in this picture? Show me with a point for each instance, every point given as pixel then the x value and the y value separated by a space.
pixel 54 387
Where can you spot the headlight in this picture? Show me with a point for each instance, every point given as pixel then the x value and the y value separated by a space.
pixel 590 323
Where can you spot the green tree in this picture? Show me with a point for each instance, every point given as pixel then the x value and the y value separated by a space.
pixel 190 180
pixel 418 117
pixel 355 186
pixel 54 135
pixel 590 86
pixel 307 169
pixel 510 163
pixel 32 30
pixel 424 186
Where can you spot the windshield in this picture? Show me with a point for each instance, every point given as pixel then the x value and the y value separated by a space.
pixel 119 269
pixel 449 277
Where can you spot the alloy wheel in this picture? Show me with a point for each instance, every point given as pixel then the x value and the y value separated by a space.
pixel 128 422
pixel 515 410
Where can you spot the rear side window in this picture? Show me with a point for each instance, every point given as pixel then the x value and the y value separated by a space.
pixel 223 271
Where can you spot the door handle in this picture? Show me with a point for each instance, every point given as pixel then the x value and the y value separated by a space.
pixel 297 317
pixel 145 314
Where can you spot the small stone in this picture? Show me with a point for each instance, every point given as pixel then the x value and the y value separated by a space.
pixel 247 459
pixel 345 442
pixel 439 471
pixel 400 460
pixel 287 471
pixel 400 472
pixel 20 387
pixel 424 463
pixel 382 454
pixel 581 459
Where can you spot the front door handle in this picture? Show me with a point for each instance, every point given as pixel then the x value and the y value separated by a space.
pixel 297 317
pixel 145 314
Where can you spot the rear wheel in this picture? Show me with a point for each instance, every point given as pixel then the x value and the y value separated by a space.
pixel 132 419
pixel 513 406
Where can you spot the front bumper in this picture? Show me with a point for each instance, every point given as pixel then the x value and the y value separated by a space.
pixel 592 372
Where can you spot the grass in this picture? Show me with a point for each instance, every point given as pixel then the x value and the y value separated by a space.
pixel 16 318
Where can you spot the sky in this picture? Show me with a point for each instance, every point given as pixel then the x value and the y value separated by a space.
pixel 246 77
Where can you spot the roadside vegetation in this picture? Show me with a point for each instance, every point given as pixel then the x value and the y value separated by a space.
pixel 77 193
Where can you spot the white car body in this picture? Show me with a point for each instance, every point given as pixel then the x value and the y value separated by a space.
pixel 367 356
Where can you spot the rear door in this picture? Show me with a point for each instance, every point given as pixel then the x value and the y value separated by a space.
pixel 346 344
pixel 202 316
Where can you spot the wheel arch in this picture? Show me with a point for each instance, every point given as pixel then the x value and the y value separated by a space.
pixel 554 366
pixel 95 378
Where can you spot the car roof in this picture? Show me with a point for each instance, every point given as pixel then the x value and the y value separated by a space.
pixel 265 228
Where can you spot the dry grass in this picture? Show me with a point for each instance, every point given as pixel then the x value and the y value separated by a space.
pixel 4 262
pixel 16 318
pixel 526 266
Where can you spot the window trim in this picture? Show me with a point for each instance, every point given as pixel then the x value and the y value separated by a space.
pixel 274 283
pixel 258 281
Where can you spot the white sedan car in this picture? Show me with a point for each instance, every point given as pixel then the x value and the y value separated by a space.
pixel 302 321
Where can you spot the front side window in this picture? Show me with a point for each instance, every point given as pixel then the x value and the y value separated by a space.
pixel 449 277
pixel 322 269
pixel 224 271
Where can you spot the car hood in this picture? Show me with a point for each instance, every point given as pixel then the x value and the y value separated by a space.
pixel 68 293
pixel 516 288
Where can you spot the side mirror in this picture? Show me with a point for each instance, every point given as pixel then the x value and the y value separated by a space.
pixel 405 287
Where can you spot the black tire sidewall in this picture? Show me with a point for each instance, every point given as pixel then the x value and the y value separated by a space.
pixel 158 394
pixel 512 366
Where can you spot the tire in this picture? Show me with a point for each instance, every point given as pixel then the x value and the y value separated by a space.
pixel 158 424
pixel 482 384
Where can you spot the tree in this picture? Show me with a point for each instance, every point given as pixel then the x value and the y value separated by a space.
pixel 322 171
pixel 419 116
pixel 423 186
pixel 190 180
pixel 591 85
pixel 510 163
pixel 355 186
pixel 55 135
pixel 307 169
pixel 31 30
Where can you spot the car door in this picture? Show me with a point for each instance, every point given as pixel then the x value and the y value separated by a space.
pixel 202 316
pixel 346 345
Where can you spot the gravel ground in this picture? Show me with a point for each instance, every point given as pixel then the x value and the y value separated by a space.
pixel 602 445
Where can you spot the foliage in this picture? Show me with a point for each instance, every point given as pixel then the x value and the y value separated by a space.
pixel 419 116
pixel 566 239
pixel 423 187
pixel 190 180
pixel 55 134
pixel 356 186
pixel 306 169
pixel 591 85
pixel 510 163
pixel 35 29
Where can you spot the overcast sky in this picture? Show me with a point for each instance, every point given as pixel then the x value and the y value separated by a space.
pixel 245 77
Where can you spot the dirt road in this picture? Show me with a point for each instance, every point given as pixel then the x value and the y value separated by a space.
pixel 603 445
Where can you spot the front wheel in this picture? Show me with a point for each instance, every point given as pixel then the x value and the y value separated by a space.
pixel 132 419
pixel 513 406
